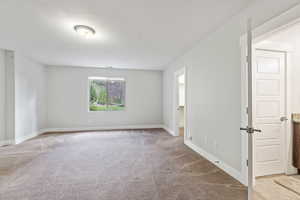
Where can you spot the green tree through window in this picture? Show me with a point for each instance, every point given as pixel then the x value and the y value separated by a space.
pixel 106 94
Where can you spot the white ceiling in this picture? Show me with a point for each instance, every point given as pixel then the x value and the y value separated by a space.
pixel 141 34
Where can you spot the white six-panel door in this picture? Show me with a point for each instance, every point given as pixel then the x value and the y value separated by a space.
pixel 268 108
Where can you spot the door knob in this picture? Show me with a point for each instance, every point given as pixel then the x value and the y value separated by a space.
pixel 283 119
pixel 250 130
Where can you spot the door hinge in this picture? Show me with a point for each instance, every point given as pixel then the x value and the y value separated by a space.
pixel 247 110
pixel 247 162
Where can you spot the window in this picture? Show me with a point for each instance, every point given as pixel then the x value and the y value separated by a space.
pixel 106 94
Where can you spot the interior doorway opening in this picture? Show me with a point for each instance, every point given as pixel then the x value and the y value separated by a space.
pixel 180 125
pixel 276 99
pixel 181 104
pixel 275 103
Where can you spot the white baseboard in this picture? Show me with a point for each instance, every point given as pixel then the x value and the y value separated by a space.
pixel 101 128
pixel 220 164
pixel 46 130
pixel 6 142
pixel 168 130
pixel 26 137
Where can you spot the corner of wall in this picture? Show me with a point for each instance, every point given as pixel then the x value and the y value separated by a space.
pixel 23 138
pixel 216 161
pixel 9 96
pixel 166 128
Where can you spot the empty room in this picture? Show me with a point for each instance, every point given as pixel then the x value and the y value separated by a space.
pixel 148 100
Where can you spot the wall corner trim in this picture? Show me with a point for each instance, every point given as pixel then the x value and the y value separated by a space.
pixel 220 164
pixel 168 130
pixel 6 142
pixel 101 128
pixel 19 140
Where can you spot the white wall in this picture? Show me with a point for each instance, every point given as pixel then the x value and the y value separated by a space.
pixel 35 98
pixel 68 98
pixel 7 93
pixel 10 96
pixel 214 86
pixel 295 77
pixel 2 96
pixel 30 98
pixel 213 95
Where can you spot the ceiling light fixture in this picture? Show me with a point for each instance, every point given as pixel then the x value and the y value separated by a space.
pixel 85 31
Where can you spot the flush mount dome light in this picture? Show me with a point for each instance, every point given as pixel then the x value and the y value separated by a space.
pixel 85 31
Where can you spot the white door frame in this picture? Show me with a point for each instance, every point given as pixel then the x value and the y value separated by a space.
pixel 277 23
pixel 176 102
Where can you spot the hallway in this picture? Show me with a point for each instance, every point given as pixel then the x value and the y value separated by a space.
pixel 110 165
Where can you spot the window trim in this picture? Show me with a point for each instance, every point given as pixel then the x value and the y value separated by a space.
pixel 105 78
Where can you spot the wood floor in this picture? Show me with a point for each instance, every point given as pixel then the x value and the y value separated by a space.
pixel 181 131
pixel 266 188
pixel 111 165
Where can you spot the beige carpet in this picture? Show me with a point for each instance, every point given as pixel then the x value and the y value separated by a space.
pixel 111 165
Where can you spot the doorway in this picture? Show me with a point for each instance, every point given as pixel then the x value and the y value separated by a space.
pixel 274 96
pixel 180 103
